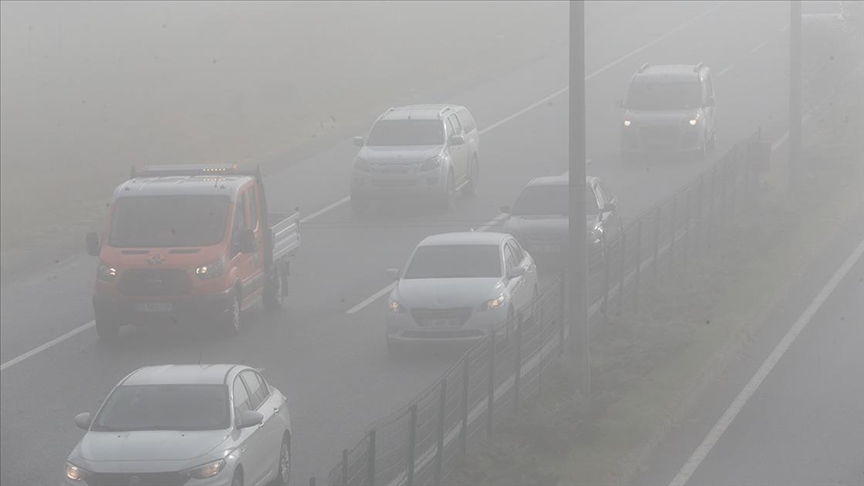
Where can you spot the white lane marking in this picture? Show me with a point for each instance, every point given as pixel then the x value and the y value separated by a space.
pixel 523 110
pixel 721 73
pixel 720 427
pixel 49 344
pixel 761 45
pixel 324 210
pixel 492 222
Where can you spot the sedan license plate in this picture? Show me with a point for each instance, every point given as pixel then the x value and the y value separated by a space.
pixel 154 307
pixel 441 323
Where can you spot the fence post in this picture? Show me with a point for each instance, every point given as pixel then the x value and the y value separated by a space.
pixel 710 226
pixel 370 467
pixel 638 264
pixel 605 251
pixel 466 389
pixel 491 398
pixel 412 441
pixel 687 223
pixel 656 244
pixel 439 452
pixel 699 222
pixel 344 467
pixel 674 232
pixel 518 376
pixel 561 319
pixel 622 240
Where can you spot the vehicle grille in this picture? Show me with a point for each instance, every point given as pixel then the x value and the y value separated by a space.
pixel 432 317
pixel 143 479
pixel 394 182
pixel 443 334
pixel 394 168
pixel 154 282
pixel 659 137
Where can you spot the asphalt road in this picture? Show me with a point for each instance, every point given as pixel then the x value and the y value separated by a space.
pixel 804 424
pixel 332 365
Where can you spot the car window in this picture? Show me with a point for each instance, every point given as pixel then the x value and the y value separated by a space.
pixel 550 200
pixel 650 95
pixel 709 85
pixel 165 407
pixel 388 133
pixel 455 261
pixel 239 221
pixel 257 390
pixel 518 255
pixel 457 127
pixel 466 120
pixel 510 258
pixel 241 396
pixel 253 207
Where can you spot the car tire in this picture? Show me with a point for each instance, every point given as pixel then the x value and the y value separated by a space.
pixel 272 298
pixel 107 328
pixel 360 205
pixel 448 199
pixel 712 142
pixel 231 318
pixel 535 307
pixel 283 467
pixel 237 480
pixel 470 188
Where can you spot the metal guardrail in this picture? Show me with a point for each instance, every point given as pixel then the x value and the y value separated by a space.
pixel 423 443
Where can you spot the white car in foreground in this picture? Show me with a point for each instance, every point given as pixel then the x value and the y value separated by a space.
pixel 456 286
pixel 189 425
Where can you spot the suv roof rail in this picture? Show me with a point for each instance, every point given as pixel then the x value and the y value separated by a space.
pixel 444 110
pixel 193 170
pixel 698 67
pixel 643 67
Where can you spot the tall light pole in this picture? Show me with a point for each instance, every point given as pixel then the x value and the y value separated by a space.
pixel 577 267
pixel 795 97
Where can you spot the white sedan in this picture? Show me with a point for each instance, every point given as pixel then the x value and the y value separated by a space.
pixel 456 286
pixel 213 425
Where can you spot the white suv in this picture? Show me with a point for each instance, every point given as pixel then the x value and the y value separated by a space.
pixel 417 151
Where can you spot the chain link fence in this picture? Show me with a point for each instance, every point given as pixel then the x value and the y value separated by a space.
pixel 423 443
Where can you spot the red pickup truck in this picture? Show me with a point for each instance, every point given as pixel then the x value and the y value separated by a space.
pixel 190 242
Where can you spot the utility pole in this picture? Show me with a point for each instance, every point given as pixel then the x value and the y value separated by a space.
pixel 795 97
pixel 577 263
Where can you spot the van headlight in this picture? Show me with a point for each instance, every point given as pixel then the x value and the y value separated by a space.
pixel 211 270
pixel 693 122
pixel 76 473
pixel 627 122
pixel 206 471
pixel 106 273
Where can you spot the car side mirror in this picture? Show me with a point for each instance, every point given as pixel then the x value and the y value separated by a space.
pixel 393 273
pixel 92 241
pixel 249 418
pixel 619 104
pixel 456 140
pixel 358 141
pixel 505 209
pixel 516 272
pixel 246 241
pixel 83 420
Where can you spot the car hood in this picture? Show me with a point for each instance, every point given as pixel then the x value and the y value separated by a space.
pixel 149 445
pixel 542 225
pixel 399 154
pixel 442 293
pixel 659 117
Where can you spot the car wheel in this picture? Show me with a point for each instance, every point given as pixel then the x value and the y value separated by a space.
pixel 237 480
pixel 360 205
pixel 272 298
pixel 712 142
pixel 283 476
pixel 106 328
pixel 470 188
pixel 448 199
pixel 231 317
pixel 535 307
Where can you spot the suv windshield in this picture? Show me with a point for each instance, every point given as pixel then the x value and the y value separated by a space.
pixel 168 221
pixel 455 261
pixel 664 96
pixel 165 407
pixel 407 132
pixel 550 200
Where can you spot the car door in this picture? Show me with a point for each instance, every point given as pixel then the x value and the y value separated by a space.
pixel 253 450
pixel 239 260
pixel 257 277
pixel 458 153
pixel 272 425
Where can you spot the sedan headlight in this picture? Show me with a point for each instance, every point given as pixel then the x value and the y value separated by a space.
pixel 627 123
pixel 211 270
pixel 395 307
pixel 493 304
pixel 106 273
pixel 206 471
pixel 430 164
pixel 76 473
pixel 361 165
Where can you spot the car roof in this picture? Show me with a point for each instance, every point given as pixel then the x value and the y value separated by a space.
pixel 668 72
pixel 419 112
pixel 194 374
pixel 559 180
pixel 183 185
pixel 464 238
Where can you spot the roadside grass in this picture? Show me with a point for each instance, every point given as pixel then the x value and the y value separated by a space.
pixel 649 367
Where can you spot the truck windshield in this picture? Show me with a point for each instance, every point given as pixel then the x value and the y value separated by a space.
pixel 664 96
pixel 165 407
pixel 551 200
pixel 455 261
pixel 407 132
pixel 168 221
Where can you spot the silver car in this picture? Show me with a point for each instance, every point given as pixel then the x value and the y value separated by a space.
pixel 191 425
pixel 669 110
pixel 418 151
pixel 456 286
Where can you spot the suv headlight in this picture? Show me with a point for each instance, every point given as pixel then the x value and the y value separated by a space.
pixel 76 473
pixel 395 307
pixel 106 273
pixel 361 165
pixel 493 304
pixel 627 122
pixel 430 164
pixel 205 471
pixel 211 270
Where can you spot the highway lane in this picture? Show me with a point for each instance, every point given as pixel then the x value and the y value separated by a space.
pixel 316 353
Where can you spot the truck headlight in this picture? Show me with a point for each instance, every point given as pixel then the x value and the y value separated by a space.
pixel 693 122
pixel 627 123
pixel 76 473
pixel 106 273
pixel 211 270
pixel 493 304
pixel 205 471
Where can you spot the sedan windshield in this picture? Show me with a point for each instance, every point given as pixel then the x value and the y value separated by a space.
pixel 407 132
pixel 664 96
pixel 550 200
pixel 168 221
pixel 165 407
pixel 455 261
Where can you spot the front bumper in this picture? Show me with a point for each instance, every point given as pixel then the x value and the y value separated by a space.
pixel 376 185
pixel 403 327
pixel 661 139
pixel 140 311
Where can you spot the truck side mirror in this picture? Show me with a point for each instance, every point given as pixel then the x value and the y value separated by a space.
pixel 246 241
pixel 505 209
pixel 92 241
